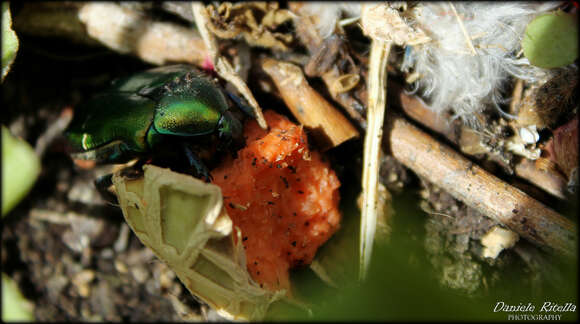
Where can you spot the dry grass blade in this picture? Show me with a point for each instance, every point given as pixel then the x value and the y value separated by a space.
pixel 222 66
pixel 372 146
pixel 463 30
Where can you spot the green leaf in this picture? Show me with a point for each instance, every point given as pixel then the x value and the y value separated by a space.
pixel 20 168
pixel 9 40
pixel 15 308
pixel 551 40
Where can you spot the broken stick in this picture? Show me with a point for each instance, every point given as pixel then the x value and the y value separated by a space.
pixel 329 126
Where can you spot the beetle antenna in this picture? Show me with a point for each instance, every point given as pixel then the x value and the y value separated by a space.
pixel 243 107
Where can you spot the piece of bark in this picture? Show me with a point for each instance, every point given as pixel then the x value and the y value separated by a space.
pixel 478 189
pixel 328 126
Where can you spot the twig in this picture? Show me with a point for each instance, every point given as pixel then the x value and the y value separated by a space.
pixel 417 110
pixel 547 180
pixel 372 146
pixel 53 19
pixel 223 67
pixel 480 190
pixel 329 126
pixel 53 131
pixel 121 29
pixel 463 30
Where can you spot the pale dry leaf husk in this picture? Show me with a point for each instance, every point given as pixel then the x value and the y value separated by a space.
pixel 182 220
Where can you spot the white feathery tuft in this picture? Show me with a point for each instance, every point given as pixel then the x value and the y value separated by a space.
pixel 450 75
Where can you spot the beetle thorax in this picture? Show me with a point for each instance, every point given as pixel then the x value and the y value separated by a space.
pixel 191 105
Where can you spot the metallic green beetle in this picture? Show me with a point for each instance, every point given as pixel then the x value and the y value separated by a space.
pixel 151 111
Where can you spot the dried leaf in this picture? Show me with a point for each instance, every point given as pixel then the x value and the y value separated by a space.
pixel 257 22
pixel 325 56
pixel 183 221
pixel 563 147
pixel 222 65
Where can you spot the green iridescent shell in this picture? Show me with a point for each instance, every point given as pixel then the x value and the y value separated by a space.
pixel 129 118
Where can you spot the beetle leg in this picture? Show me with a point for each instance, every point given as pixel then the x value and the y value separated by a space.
pixel 243 107
pixel 103 183
pixel 200 169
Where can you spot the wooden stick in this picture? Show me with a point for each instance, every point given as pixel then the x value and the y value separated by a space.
pixel 121 29
pixel 328 125
pixel 417 110
pixel 547 180
pixel 480 190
